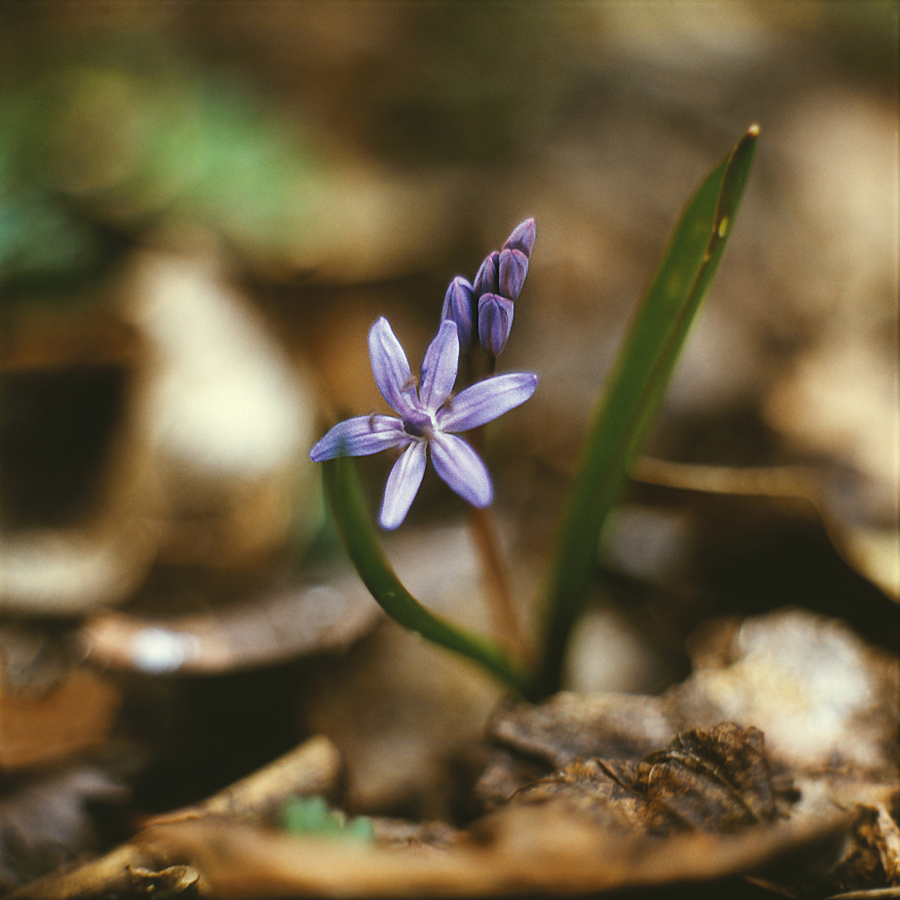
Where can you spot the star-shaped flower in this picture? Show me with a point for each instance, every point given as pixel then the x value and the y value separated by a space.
pixel 428 416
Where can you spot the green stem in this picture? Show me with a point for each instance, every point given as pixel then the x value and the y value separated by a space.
pixel 358 534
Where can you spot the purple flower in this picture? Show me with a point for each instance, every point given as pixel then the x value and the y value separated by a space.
pixel 512 269
pixel 495 318
pixel 428 416
pixel 502 273
pixel 459 307
pixel 487 279
pixel 498 283
pixel 522 238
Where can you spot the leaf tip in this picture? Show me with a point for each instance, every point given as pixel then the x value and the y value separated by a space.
pixel 753 130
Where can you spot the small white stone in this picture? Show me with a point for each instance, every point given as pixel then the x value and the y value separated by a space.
pixel 158 651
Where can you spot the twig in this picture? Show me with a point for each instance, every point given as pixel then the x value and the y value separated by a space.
pixel 506 621
pixel 137 867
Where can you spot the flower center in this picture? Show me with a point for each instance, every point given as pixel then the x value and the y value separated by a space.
pixel 418 424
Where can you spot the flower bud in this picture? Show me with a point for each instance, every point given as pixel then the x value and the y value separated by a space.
pixel 495 318
pixel 513 267
pixel 487 281
pixel 459 307
pixel 522 238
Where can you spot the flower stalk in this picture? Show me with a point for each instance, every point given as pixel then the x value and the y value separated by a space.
pixel 359 537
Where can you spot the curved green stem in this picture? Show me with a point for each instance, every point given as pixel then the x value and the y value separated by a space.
pixel 358 534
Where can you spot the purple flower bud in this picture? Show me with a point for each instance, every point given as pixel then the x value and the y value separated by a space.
pixel 522 238
pixel 513 268
pixel 459 307
pixel 495 318
pixel 487 281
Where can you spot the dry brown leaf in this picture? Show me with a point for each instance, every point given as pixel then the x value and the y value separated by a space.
pixel 519 850
pixel 554 847
pixel 267 626
pixel 38 727
pixel 715 780
pixel 824 699
pixel 137 865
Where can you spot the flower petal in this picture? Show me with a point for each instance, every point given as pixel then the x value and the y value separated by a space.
pixel 439 367
pixel 459 307
pixel 513 270
pixel 486 278
pixel 403 485
pixel 462 469
pixel 486 400
pixel 391 368
pixel 359 436
pixel 495 318
pixel 522 237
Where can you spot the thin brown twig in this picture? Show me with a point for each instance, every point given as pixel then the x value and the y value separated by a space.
pixel 506 621
pixel 508 628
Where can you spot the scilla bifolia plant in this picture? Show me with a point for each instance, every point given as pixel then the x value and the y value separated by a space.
pixel 476 321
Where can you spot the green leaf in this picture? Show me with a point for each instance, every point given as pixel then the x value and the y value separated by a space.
pixel 313 816
pixel 633 394
pixel 358 534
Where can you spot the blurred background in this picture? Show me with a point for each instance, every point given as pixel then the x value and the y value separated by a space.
pixel 204 208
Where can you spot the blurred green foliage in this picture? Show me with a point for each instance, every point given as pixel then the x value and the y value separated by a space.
pixel 95 155
pixel 313 816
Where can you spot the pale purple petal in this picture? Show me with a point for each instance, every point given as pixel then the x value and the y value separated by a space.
pixel 360 436
pixel 522 237
pixel 439 367
pixel 403 485
pixel 495 318
pixel 487 275
pixel 459 307
pixel 462 469
pixel 486 400
pixel 391 368
pixel 513 267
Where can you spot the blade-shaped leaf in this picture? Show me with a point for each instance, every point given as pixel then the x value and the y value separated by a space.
pixel 634 392
pixel 359 537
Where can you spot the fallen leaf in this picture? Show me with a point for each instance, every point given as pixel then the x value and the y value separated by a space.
pixel 264 625
pixel 518 850
pixel 714 780
pixel 73 715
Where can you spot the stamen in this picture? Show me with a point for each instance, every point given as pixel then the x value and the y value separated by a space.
pixel 419 425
